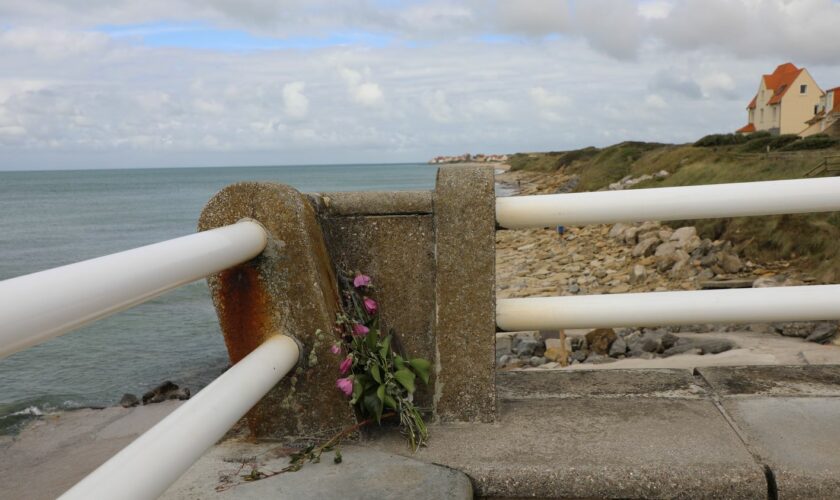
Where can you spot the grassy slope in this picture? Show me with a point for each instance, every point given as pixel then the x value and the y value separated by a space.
pixel 816 236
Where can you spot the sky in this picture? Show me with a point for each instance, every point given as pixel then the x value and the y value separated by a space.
pixel 177 83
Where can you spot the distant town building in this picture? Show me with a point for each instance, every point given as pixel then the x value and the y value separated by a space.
pixel 468 158
pixel 786 100
pixel 827 117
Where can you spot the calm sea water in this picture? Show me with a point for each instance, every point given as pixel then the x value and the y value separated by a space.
pixel 48 219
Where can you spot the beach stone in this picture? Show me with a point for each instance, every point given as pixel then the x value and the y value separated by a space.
pixel 665 249
pixel 713 346
pixel 822 333
pixel 682 235
pixel 555 349
pixel 530 348
pixel 638 274
pixel 645 247
pixel 166 390
pixel 765 282
pixel 631 235
pixel 794 329
pixel 730 263
pixel 537 361
pixel 618 347
pixel 617 231
pixel 129 401
pixel 599 340
pixel 503 345
pixel 579 356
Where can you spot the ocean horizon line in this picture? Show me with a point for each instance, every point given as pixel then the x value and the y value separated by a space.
pixel 197 167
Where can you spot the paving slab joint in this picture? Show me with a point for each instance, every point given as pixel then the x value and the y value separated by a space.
pixel 716 399
pixel 772 488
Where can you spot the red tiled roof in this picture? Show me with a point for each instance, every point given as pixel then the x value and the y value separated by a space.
pixel 746 129
pixel 780 81
pixel 836 107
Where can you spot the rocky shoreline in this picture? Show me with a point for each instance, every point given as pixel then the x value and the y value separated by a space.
pixel 621 258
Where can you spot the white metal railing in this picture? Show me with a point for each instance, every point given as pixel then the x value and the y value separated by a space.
pixel 674 203
pixel 39 306
pixel 149 465
pixel 795 303
pixel 43 305
pixel 801 303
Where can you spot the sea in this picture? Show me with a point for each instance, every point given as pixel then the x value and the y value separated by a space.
pixel 52 218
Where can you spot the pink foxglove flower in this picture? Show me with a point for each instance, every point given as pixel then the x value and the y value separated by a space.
pixel 360 330
pixel 370 305
pixel 344 368
pixel 345 385
pixel 335 349
pixel 361 280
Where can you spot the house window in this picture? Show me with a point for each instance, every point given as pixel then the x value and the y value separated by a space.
pixel 803 89
pixel 761 115
pixel 816 108
pixel 775 109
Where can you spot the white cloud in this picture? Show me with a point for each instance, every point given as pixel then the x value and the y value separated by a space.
pixel 361 90
pixel 438 106
pixel 532 17
pixel 542 79
pixel 551 107
pixel 53 43
pixel 295 102
pixel 654 101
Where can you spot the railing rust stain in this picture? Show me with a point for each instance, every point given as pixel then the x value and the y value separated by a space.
pixel 244 310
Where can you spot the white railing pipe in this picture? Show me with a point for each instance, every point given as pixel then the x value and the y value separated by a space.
pixel 751 305
pixel 148 466
pixel 673 203
pixel 42 305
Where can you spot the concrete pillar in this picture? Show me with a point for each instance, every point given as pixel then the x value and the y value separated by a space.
pixel 290 288
pixel 465 323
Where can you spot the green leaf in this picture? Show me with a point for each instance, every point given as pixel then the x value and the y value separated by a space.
pixel 398 360
pixel 406 379
pixel 390 402
pixel 380 393
pixel 357 391
pixel 373 405
pixel 421 367
pixel 385 349
pixel 374 372
pixel 372 337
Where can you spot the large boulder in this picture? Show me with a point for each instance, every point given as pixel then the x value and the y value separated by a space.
pixel 600 339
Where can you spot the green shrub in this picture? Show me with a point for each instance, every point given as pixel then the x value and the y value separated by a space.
pixel 761 134
pixel 758 145
pixel 816 141
pixel 712 140
pixel 783 140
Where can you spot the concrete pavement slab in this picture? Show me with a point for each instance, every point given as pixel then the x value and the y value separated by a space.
pixel 631 447
pixel 788 416
pixel 363 474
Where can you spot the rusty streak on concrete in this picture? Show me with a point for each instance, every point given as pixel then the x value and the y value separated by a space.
pixel 289 289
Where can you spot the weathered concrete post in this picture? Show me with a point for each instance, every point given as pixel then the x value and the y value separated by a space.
pixel 432 258
pixel 465 243
pixel 290 289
